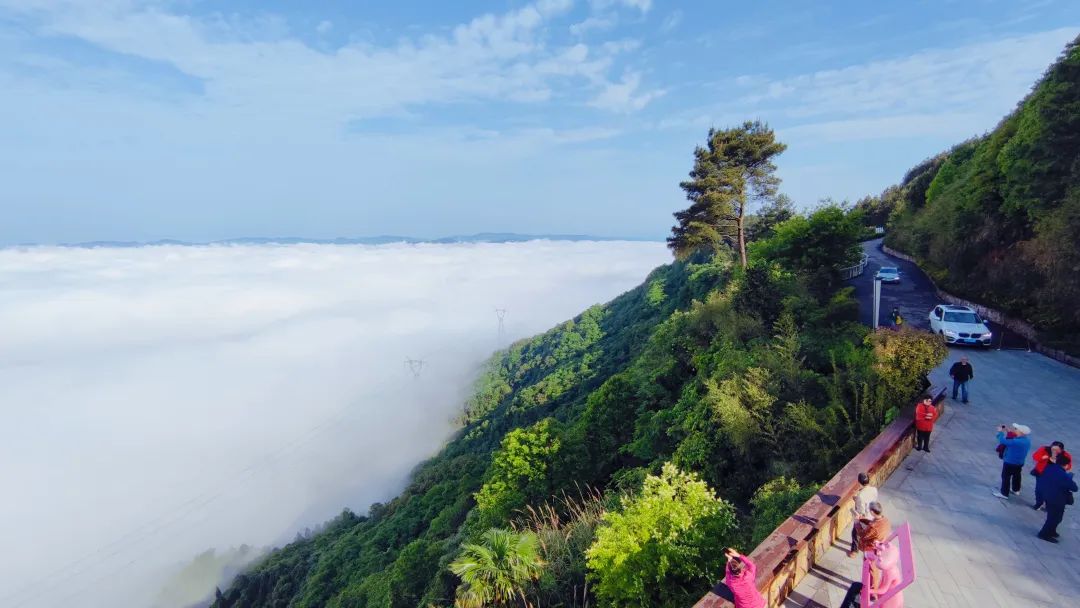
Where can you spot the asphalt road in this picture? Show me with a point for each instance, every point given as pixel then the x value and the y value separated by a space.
pixel 914 295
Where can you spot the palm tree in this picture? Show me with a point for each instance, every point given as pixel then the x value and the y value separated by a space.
pixel 495 571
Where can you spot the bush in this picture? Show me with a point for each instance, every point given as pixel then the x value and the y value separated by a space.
pixel 664 545
pixel 902 359
pixel 774 502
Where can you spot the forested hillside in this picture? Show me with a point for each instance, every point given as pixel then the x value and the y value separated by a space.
pixel 996 219
pixel 609 460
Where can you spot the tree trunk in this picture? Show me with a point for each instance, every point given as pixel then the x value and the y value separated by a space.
pixel 742 241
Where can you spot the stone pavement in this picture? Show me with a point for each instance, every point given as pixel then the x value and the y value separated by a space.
pixel 972 549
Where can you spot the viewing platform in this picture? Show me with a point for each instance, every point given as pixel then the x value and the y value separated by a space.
pixel 972 549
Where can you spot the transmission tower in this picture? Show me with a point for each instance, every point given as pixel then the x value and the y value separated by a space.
pixel 501 314
pixel 414 366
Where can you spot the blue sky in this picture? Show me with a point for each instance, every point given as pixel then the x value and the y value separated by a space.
pixel 197 120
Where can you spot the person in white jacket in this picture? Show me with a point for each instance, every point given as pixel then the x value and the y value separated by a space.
pixel 866 495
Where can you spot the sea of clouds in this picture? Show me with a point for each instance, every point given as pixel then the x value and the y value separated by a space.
pixel 159 401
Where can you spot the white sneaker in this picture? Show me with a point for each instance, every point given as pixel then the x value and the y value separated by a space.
pixel 1000 495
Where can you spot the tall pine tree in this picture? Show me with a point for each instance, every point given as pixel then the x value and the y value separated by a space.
pixel 733 170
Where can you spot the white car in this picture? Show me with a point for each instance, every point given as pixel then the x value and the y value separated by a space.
pixel 888 274
pixel 959 325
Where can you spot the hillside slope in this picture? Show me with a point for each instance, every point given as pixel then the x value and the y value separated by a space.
pixel 396 555
pixel 737 377
pixel 997 218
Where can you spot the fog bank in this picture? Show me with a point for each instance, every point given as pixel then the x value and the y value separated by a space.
pixel 160 401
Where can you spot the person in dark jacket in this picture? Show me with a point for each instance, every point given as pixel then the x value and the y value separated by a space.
pixel 1055 486
pixel 1041 457
pixel 961 372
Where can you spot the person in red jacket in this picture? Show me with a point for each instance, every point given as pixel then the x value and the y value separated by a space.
pixel 1041 457
pixel 926 413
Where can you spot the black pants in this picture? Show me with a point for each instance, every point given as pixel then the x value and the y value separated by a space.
pixel 1054 513
pixel 724 591
pixel 922 440
pixel 1011 472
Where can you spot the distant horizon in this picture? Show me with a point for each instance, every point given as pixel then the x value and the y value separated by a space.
pixel 373 239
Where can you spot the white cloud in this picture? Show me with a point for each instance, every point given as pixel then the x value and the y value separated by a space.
pixel 953 125
pixel 159 401
pixel 624 96
pixel 641 5
pixel 936 78
pixel 593 23
pixel 957 92
pixel 672 21
pixel 259 65
pixel 324 26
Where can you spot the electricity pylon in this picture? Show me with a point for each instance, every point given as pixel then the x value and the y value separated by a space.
pixel 415 366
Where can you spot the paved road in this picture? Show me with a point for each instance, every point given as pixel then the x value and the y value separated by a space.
pixel 972 549
pixel 914 295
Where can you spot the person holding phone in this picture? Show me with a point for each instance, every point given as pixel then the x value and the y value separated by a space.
pixel 1016 452
pixel 740 581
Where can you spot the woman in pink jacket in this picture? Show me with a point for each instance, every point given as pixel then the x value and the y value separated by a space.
pixel 741 578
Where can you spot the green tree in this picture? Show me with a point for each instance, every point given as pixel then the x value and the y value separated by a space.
pixel 519 472
pixel 816 246
pixel 734 169
pixel 744 406
pixel 498 570
pixel 774 502
pixel 902 359
pixel 775 211
pixel 664 545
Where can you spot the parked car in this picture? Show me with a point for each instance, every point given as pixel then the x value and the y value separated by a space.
pixel 888 274
pixel 959 325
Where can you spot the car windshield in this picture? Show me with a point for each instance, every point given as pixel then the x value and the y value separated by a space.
pixel 887 270
pixel 962 317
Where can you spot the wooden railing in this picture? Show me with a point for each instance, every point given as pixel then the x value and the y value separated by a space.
pixel 786 555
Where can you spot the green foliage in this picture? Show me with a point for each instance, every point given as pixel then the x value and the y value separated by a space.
pixel 763 223
pixel 744 407
pixel 662 546
pixel 498 570
pixel 655 295
pixel 734 169
pixel 902 359
pixel 519 472
pixel 774 502
pixel 997 218
pixel 815 246
pixel 565 530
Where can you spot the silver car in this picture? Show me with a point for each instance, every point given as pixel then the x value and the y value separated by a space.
pixel 888 274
